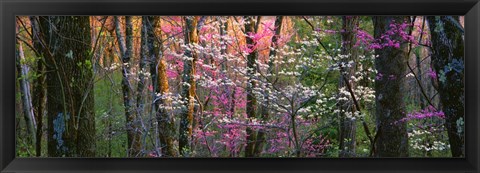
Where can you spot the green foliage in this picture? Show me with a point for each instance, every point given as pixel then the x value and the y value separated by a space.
pixel 110 116
pixel 417 51
pixel 24 149
pixel 87 65
pixel 30 61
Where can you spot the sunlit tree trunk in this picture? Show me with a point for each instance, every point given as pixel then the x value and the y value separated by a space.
pixel 70 99
pixel 126 48
pixel 166 124
pixel 188 85
pixel 347 125
pixel 448 62
pixel 392 136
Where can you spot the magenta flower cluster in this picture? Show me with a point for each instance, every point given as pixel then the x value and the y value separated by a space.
pixel 429 112
pixel 396 34
pixel 393 37
pixel 432 74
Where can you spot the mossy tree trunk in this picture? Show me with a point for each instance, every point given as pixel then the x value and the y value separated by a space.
pixel 70 99
pixel 392 139
pixel 188 85
pixel 39 90
pixel 126 48
pixel 448 62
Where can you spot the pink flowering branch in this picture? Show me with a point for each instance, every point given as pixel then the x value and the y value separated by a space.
pixel 388 39
pixel 429 112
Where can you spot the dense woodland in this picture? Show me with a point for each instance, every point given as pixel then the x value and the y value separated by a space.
pixel 240 86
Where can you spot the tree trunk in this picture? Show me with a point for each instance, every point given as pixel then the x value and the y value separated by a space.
pixel 347 125
pixel 144 55
pixel 166 124
pixel 420 97
pixel 126 48
pixel 70 105
pixel 39 90
pixel 392 138
pixel 140 100
pixel 188 85
pixel 223 28
pixel 447 59
pixel 23 71
pixel 165 120
pixel 250 28
pixel 261 135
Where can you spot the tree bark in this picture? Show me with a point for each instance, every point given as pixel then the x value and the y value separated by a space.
pixel 39 90
pixel 70 99
pixel 166 124
pixel 188 85
pixel 23 71
pixel 250 28
pixel 447 59
pixel 392 138
pixel 348 127
pixel 126 48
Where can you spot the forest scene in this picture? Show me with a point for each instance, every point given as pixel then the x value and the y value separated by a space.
pixel 240 86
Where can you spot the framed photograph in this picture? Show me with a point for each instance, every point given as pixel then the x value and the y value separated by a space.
pixel 239 86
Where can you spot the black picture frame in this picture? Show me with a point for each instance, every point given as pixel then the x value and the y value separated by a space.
pixel 11 8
